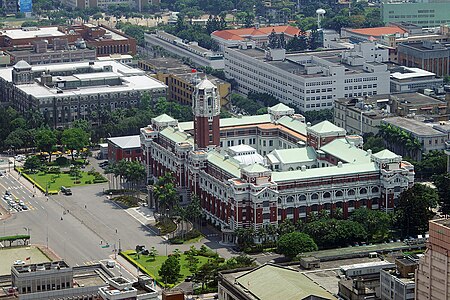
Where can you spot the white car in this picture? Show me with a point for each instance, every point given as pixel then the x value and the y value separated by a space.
pixel 19 262
pixel 21 203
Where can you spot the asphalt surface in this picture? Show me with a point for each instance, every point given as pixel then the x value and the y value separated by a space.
pixel 83 228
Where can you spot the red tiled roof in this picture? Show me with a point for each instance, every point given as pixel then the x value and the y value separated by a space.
pixel 377 31
pixel 241 34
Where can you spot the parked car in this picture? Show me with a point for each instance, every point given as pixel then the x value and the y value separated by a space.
pixel 19 262
pixel 66 191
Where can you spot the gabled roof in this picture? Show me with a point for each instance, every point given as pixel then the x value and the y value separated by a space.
pixel 126 142
pixel 177 136
pixel 325 127
pixel 205 84
pixel 346 152
pixel 386 154
pixel 377 31
pixel 280 107
pixel 255 168
pixel 229 164
pixel 295 155
pixel 164 119
pixel 293 124
pixel 20 65
pixel 270 282
pixel 245 33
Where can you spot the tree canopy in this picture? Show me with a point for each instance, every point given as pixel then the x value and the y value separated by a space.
pixel 294 243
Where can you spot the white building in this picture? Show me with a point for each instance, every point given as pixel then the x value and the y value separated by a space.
pixel 311 81
pixel 198 55
pixel 404 79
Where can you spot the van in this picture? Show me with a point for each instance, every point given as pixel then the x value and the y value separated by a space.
pixel 66 191
pixel 110 264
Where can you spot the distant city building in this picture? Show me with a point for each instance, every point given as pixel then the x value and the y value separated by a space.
pixel 122 58
pixel 398 283
pixel 251 171
pixel 138 4
pixel 407 79
pixel 121 288
pixel 268 282
pixel 124 148
pixel 255 37
pixel 365 114
pixel 67 92
pixel 60 52
pixel 428 55
pixel 198 55
pixel 105 40
pixel 432 136
pixel 312 80
pixel 370 34
pixel 423 13
pixel 433 273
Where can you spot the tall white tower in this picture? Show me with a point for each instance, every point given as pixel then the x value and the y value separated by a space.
pixel 320 13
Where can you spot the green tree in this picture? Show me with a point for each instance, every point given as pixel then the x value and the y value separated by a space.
pixel 46 140
pixel 294 243
pixel 375 143
pixel 286 227
pixel 442 183
pixel 153 253
pixel 166 194
pixel 32 163
pixel 414 209
pixel 207 272
pixel 376 223
pixel 15 139
pixel 170 270
pixel 74 139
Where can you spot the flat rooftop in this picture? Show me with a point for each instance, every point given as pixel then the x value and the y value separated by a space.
pixel 414 126
pixel 416 99
pixel 32 32
pixel 445 222
pixel 132 79
pixel 402 73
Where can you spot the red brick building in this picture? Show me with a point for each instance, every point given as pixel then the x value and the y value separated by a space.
pixel 124 147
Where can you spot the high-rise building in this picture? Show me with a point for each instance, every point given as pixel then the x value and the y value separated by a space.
pixel 433 274
pixel 425 13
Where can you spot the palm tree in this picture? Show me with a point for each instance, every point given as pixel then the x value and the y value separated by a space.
pixel 165 193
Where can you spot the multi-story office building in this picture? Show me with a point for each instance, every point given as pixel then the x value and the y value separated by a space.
pixel 124 148
pixel 198 55
pixel 433 273
pixel 60 52
pixel 406 79
pixel 425 13
pixel 310 81
pixel 398 283
pixel 66 92
pixel 251 171
pixel 428 55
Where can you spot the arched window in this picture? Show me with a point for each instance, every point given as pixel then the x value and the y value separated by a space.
pixel 339 204
pixel 302 198
pixel 375 189
pixel 339 194
pixel 314 196
pixel 315 207
pixel 351 203
pixel 302 209
pixel 375 201
pixel 279 200
pixel 290 199
pixel 351 192
pixel 327 206
pixel 327 195
pixel 363 191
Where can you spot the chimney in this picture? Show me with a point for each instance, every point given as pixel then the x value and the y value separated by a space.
pixel 303 168
pixel 369 152
pixel 339 164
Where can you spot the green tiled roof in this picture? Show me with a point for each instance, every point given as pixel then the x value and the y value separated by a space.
pixel 386 154
pixel 295 155
pixel 280 107
pixel 325 126
pixel 164 118
pixel 177 136
pixel 346 169
pixel 270 282
pixel 245 120
pixel 229 165
pixel 341 149
pixel 256 168
pixel 293 124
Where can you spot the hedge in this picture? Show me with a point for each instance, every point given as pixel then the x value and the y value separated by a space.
pixel 30 179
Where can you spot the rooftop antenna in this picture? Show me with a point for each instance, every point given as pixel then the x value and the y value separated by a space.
pixel 320 13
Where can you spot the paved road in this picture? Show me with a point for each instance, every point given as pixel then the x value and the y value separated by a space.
pixel 77 227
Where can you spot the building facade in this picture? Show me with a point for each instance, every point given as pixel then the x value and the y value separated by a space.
pixel 138 4
pixel 424 13
pixel 198 55
pixel 428 55
pixel 310 81
pixel 124 147
pixel 405 79
pixel 258 170
pixel 67 92
pixel 433 273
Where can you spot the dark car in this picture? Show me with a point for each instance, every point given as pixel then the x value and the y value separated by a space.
pixel 66 191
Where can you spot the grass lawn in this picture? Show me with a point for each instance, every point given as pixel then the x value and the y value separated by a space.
pixel 153 266
pixel 55 182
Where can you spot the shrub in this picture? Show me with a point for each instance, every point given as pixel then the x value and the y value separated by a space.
pixel 54 170
pixel 88 182
pixel 61 161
